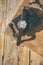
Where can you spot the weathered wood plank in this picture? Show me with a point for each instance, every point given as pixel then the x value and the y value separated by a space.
pixel 11 7
pixel 0 57
pixel 24 57
pixel 1 13
pixel 28 57
pixel 35 59
pixel 41 62
pixel 1 46
pixel 10 51
pixel 2 26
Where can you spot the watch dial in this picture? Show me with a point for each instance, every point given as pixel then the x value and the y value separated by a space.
pixel 22 24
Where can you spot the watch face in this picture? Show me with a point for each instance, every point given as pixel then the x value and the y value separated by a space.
pixel 22 24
